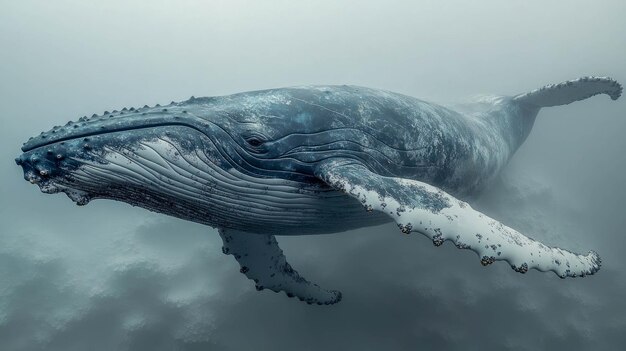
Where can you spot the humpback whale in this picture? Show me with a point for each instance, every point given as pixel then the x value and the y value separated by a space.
pixel 311 160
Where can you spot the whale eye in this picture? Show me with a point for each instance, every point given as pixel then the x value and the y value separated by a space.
pixel 254 141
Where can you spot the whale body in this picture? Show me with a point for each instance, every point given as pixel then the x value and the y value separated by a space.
pixel 310 160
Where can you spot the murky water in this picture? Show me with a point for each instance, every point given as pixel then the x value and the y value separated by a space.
pixel 108 276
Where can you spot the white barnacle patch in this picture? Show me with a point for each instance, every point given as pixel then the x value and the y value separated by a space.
pixel 405 228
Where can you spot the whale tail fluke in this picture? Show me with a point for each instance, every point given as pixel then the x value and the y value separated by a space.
pixel 570 91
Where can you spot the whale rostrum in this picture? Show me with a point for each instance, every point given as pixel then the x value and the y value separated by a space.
pixel 311 160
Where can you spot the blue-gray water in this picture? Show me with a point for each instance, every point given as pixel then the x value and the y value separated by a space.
pixel 111 277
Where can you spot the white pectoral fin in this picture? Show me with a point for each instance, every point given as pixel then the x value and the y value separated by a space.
pixel 419 207
pixel 263 261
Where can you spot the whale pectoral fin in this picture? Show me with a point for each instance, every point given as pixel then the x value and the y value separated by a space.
pixel 262 260
pixel 420 207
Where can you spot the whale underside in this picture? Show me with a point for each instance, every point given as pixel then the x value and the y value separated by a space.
pixel 310 160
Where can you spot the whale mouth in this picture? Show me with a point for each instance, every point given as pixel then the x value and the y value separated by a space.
pixel 48 159
pixel 51 159
pixel 109 162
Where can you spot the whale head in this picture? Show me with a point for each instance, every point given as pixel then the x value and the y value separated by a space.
pixel 223 161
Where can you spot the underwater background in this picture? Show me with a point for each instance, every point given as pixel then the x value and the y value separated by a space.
pixel 108 276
